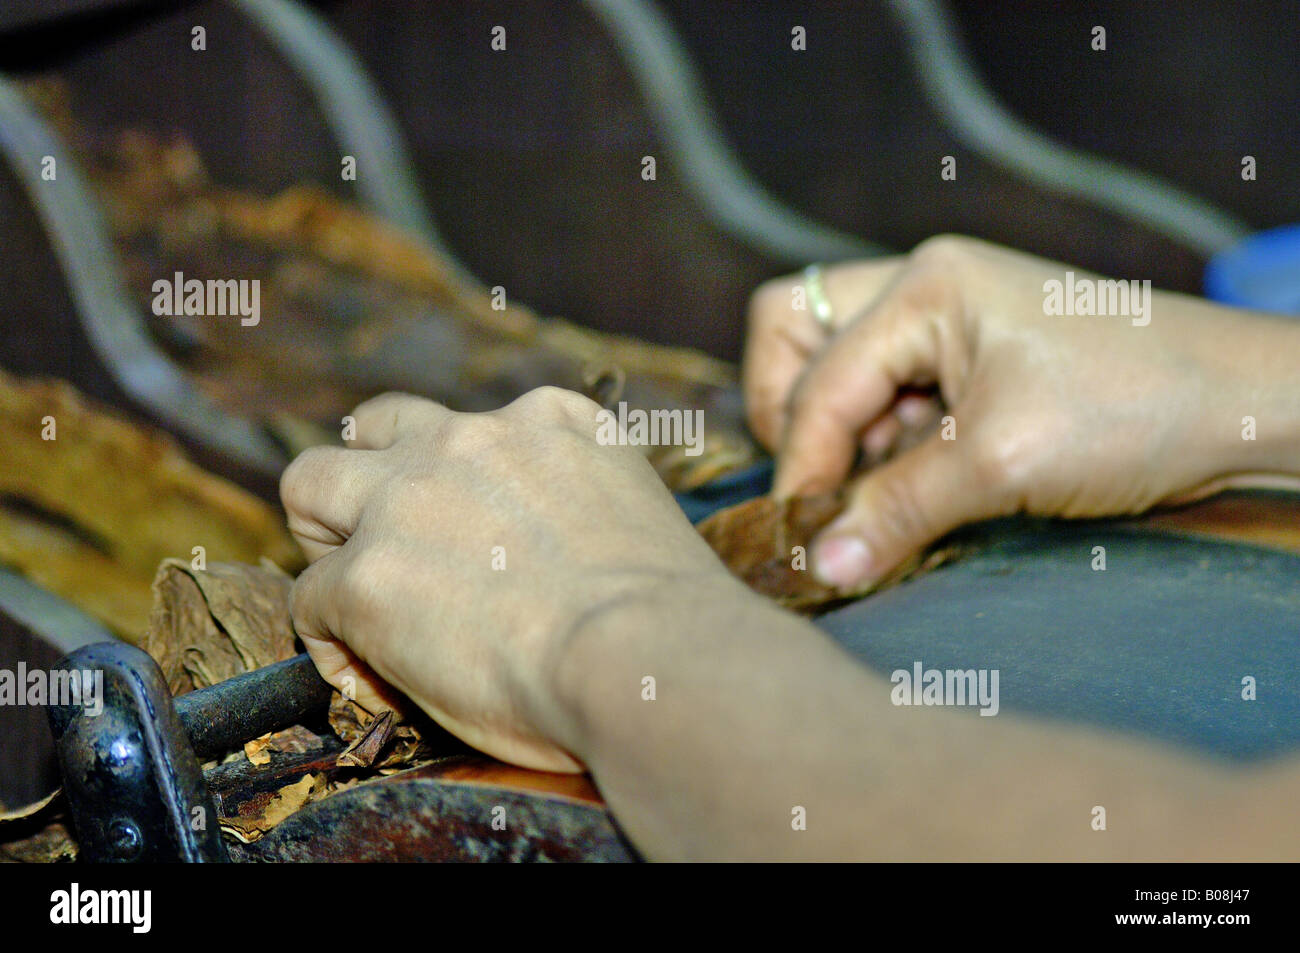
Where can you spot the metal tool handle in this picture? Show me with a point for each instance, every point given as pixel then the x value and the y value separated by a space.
pixel 127 751
pixel 222 717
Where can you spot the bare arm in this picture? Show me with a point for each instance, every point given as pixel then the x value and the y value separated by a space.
pixel 757 714
pixel 601 582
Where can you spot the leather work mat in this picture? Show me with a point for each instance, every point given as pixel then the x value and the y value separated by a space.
pixel 1156 645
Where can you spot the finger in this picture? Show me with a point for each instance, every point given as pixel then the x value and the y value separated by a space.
pixel 314 609
pixel 317 621
pixel 323 491
pixel 879 438
pixel 893 344
pixel 778 346
pixel 900 507
pixel 916 411
pixel 383 420
pixel 784 334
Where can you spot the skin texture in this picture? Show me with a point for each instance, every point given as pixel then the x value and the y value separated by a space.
pixel 1052 415
pixel 756 715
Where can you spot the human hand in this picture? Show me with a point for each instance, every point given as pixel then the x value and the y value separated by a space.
pixel 1072 416
pixel 456 557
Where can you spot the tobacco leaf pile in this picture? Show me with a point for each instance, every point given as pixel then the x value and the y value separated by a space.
pixel 91 502
pixel 212 624
pixel 351 306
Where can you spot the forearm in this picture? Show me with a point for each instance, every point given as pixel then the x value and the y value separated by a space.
pixel 1252 362
pixel 756 714
pixel 750 709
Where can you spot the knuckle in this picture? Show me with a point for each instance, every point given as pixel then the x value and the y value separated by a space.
pixel 466 436
pixel 1001 460
pixel 301 595
pixel 307 471
pixel 386 403
pixel 558 405
pixel 769 301
pixel 363 582
pixel 942 251
pixel 458 438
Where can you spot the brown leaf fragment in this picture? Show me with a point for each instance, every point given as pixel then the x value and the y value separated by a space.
pixel 757 539
pixel 295 740
pixel 208 625
pixel 257 750
pixel 51 844
pixel 36 833
pixel 365 751
pixel 251 605
pixel 404 747
pixel 406 750
pixel 768 543
pixel 260 815
pixel 347 718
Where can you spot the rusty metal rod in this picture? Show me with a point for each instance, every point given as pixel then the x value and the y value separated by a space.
pixel 222 717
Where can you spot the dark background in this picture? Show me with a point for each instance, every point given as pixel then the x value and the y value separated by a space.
pixel 530 159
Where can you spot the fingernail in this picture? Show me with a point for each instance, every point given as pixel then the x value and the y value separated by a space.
pixel 841 561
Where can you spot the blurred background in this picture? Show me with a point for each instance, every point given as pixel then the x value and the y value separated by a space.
pixel 529 159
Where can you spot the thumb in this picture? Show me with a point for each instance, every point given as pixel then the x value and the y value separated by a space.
pixel 900 507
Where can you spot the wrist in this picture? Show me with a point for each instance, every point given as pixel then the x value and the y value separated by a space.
pixel 601 665
pixel 1265 414
pixel 1246 416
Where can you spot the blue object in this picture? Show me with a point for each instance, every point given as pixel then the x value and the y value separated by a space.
pixel 1262 272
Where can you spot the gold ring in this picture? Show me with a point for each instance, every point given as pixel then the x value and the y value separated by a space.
pixel 815 292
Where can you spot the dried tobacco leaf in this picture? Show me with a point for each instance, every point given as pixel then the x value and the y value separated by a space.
pixel 347 719
pixel 51 844
pixel 208 625
pixel 259 815
pixel 90 515
pixel 251 605
pixel 357 306
pixel 211 624
pixel 401 745
pixel 294 740
pixel 757 541
pixel 37 833
pixel 257 751
pixel 364 752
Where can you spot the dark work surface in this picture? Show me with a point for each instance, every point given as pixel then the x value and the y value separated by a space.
pixel 1156 645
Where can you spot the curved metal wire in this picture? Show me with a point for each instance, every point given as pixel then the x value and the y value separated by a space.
pixel 674 94
pixel 107 315
pixel 356 113
pixel 984 125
